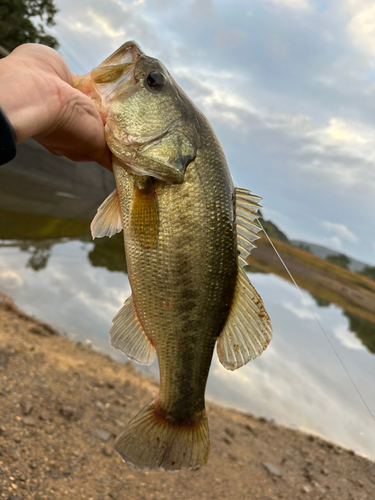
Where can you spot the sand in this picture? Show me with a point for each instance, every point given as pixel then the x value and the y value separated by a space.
pixel 62 404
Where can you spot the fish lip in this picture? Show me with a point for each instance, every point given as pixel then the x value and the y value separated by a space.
pixel 129 52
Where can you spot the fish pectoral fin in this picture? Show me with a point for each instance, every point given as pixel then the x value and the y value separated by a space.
pixel 246 215
pixel 128 335
pixel 107 220
pixel 248 330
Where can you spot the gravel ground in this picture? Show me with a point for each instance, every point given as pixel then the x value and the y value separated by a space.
pixel 62 404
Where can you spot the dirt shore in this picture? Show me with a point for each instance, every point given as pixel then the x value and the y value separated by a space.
pixel 62 404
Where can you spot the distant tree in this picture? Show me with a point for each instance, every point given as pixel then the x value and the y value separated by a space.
pixel 369 272
pixel 339 259
pixel 321 302
pixel 24 21
pixel 304 246
pixel 272 230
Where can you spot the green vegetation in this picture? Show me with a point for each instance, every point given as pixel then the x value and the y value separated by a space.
pixel 109 253
pixel 339 259
pixel 272 230
pixel 323 279
pixel 24 21
pixel 29 226
pixel 304 246
pixel 369 272
pixel 364 329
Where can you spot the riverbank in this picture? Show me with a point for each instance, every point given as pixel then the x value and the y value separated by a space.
pixel 62 404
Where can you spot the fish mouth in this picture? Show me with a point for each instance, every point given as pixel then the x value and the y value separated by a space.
pixel 129 52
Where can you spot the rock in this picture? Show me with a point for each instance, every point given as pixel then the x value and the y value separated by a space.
pixel 27 407
pixel 36 330
pixel 4 357
pixel 111 384
pixel 229 432
pixel 99 405
pixel 272 469
pixel 28 420
pixel 250 429
pixel 324 471
pixel 44 416
pixel 305 489
pixel 67 411
pixel 102 434
pixel 107 451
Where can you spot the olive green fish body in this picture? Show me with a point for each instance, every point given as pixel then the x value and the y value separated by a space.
pixel 183 284
pixel 187 235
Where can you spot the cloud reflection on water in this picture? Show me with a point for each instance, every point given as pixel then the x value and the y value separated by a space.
pixel 298 381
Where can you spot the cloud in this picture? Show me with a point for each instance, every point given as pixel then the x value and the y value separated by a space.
pixel 293 4
pixel 334 242
pixel 340 230
pixel 362 27
pixel 103 25
pixel 348 338
pixel 302 312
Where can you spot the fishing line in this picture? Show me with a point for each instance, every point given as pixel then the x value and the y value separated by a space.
pixel 319 324
pixel 316 319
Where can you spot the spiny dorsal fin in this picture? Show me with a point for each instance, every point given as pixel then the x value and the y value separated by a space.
pixel 248 330
pixel 127 334
pixel 246 215
pixel 107 220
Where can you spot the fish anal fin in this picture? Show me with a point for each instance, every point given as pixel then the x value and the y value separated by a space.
pixel 151 441
pixel 107 220
pixel 144 216
pixel 246 215
pixel 128 335
pixel 248 330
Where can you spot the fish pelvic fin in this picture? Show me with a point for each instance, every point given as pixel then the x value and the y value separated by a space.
pixel 248 330
pixel 152 441
pixel 247 230
pixel 107 220
pixel 128 335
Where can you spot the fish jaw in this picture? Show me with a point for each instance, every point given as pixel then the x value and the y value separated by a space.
pixel 102 84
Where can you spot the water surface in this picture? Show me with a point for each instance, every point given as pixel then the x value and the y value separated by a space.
pixel 55 272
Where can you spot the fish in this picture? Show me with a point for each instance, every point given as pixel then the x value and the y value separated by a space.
pixel 188 232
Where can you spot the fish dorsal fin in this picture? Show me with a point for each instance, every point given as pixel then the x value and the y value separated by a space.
pixel 248 330
pixel 107 220
pixel 128 336
pixel 246 215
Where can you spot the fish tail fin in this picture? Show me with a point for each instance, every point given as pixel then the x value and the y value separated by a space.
pixel 151 441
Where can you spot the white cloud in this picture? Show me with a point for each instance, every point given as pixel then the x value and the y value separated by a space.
pixel 334 242
pixel 340 130
pixel 302 312
pixel 348 338
pixel 362 27
pixel 103 25
pixel 293 4
pixel 340 230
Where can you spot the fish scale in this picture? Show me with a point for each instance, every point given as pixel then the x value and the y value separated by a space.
pixel 185 250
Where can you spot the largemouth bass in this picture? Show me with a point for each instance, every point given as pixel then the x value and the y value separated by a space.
pixel 187 234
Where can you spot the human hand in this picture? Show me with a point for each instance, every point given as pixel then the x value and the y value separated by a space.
pixel 37 96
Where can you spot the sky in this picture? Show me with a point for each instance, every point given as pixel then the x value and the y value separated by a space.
pixel 288 85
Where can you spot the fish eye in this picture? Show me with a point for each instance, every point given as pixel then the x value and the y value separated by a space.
pixel 156 80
